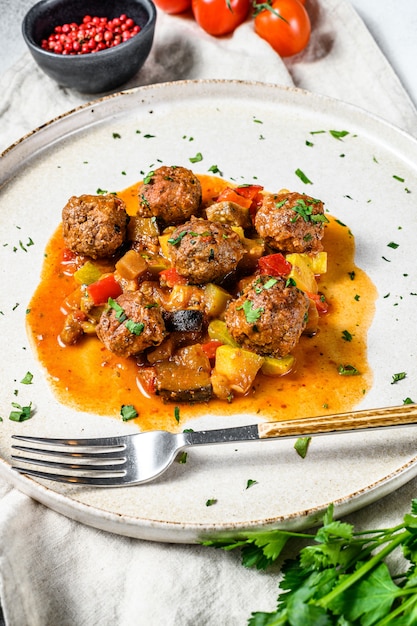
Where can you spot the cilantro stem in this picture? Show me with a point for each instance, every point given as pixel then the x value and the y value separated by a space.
pixel 353 578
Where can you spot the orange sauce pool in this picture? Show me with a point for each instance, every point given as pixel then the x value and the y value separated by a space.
pixel 87 377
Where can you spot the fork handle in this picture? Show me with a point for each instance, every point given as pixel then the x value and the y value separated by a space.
pixel 405 415
pixel 342 422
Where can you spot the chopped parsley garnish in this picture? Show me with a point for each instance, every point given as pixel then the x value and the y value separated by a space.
pixel 251 314
pixel 305 210
pixel 346 335
pixel 339 134
pixel 177 413
pixel 347 370
pixel 402 180
pixel 148 177
pixel 198 157
pixel 27 379
pixel 397 377
pixel 120 312
pixel 250 483
pixel 393 245
pixel 128 412
pixel 211 501
pixel 22 413
pixel 301 446
pixel 136 328
pixel 303 177
pixel 177 240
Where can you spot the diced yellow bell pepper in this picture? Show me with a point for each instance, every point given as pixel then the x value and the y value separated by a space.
pixel 215 299
pixel 318 262
pixel 238 366
pixel 277 367
pixel 301 272
pixel 217 330
pixel 165 246
pixel 87 274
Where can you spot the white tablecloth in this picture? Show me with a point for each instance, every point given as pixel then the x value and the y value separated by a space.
pixel 56 571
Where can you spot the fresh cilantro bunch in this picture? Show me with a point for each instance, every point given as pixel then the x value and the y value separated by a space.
pixel 340 577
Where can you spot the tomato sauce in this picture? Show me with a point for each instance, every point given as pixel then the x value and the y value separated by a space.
pixel 87 377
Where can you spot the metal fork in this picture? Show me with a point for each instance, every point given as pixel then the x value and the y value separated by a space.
pixel 142 457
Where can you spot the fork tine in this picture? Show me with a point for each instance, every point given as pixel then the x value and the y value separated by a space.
pixel 115 467
pixel 111 481
pixel 103 442
pixel 115 455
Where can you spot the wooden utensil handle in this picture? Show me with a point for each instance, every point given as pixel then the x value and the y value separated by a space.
pixel 341 422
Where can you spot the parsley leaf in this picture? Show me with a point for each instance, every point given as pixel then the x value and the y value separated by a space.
pixel 251 314
pixel 128 412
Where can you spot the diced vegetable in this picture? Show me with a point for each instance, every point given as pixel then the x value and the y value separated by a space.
pixel 229 195
pixel 87 274
pixel 215 299
pixel 302 272
pixel 165 245
pixel 210 348
pixel 185 296
pixel 320 302
pixel 277 367
pixel 170 277
pixel 229 213
pixel 318 262
pixel 142 227
pixel 186 377
pixel 217 330
pixel 184 320
pixel 238 366
pixel 131 265
pixel 274 265
pixel 105 288
pixel 312 318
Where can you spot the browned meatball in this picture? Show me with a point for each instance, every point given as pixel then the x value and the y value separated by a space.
pixel 203 251
pixel 171 194
pixel 131 325
pixel 269 317
pixel 291 222
pixel 94 226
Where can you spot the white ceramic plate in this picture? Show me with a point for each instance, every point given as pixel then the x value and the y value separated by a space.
pixel 249 130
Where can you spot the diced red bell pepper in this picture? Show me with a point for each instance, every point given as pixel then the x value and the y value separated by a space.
pixel 319 300
pixel 210 347
pixel 274 265
pixel 170 277
pixel 103 289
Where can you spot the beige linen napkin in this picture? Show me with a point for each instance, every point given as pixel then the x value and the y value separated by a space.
pixel 54 571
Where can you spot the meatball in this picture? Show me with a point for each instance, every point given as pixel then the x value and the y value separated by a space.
pixel 94 226
pixel 291 222
pixel 269 317
pixel 171 194
pixel 203 251
pixel 131 325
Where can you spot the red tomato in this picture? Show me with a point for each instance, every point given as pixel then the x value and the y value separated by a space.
pixel 220 17
pixel 289 31
pixel 173 6
pixel 274 265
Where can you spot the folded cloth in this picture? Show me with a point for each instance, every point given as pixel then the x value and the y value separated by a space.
pixel 54 570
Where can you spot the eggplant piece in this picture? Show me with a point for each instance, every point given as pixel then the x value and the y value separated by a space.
pixel 185 377
pixel 187 320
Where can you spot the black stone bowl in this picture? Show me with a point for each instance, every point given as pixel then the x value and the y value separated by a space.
pixel 98 71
